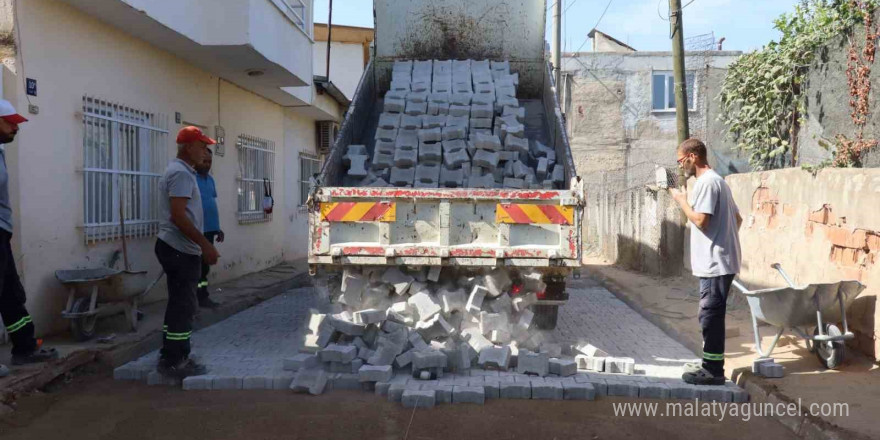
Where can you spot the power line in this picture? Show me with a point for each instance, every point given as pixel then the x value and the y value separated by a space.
pixel 596 25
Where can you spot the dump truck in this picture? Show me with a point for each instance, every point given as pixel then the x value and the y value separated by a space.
pixel 462 228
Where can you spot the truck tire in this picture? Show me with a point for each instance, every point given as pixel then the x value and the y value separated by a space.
pixel 546 316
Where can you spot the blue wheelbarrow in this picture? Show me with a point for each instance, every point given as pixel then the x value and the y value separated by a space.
pixel 799 308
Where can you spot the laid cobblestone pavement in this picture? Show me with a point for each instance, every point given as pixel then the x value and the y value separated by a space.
pixel 249 348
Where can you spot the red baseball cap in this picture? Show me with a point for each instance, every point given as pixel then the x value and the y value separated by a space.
pixel 8 113
pixel 192 134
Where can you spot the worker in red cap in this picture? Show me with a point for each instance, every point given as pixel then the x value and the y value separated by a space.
pixel 181 247
pixel 19 326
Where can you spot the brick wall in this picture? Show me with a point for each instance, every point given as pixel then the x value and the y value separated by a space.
pixel 820 228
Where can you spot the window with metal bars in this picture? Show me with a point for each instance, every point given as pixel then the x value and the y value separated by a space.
pixel 124 155
pixel 256 167
pixel 308 166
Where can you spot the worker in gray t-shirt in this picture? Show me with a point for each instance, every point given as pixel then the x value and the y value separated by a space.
pixel 181 247
pixel 26 349
pixel 714 222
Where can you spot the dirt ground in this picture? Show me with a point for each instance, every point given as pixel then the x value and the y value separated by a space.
pixel 93 406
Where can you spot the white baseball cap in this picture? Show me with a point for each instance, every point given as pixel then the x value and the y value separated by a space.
pixel 7 112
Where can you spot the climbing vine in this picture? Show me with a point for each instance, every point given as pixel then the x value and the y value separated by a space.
pixel 858 75
pixel 762 100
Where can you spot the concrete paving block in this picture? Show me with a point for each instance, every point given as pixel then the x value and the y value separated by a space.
pixel 433 122
pixel 487 181
pixel 197 383
pixel 475 300
pixel 418 344
pixel 505 91
pixel 622 388
pixel 409 122
pixel 399 280
pixel 493 321
pixel 256 383
pixel 381 388
pixel 756 364
pixel 404 359
pixel 510 182
pixel 402 176
pixel 154 378
pixel 455 159
pixel 481 123
pixel 541 169
pixel 346 381
pixel 301 360
pixel 461 98
pixel 384 355
pixel 552 349
pixel 715 393
pixel 563 367
pixel 418 398
pixel 420 86
pixel 400 85
pixel 398 94
pixel 460 110
pixel 515 390
pixel 475 339
pixel 282 381
pixel 518 144
pixel 451 300
pixel 342 323
pixel 525 319
pixel 440 98
pixel 452 178
pixel 739 395
pixel 125 372
pixel 468 394
pixel 389 120
pixel 681 390
pixel 520 170
pixel 406 158
pixel 497 358
pixel 589 350
pixel 438 108
pixel 488 142
pixel 650 390
pixel 416 108
pixel 388 135
pixel 482 111
pixel 417 97
pixel 441 86
pixel 227 382
pixel 578 391
pixel 406 140
pixel 529 362
pixel 430 135
pixel 455 132
pixel 518 112
pixel 558 175
pixel 491 387
pixel 442 393
pixel 395 392
pixel 425 303
pixel 486 159
pixel 382 161
pixel 369 316
pixel 620 365
pixel 590 363
pixel 394 105
pixel 547 390
pixel 428 359
pixel 484 88
pixel 771 370
pixel 499 336
pixel 521 302
pixel 430 153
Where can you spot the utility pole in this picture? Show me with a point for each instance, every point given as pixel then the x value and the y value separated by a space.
pixel 329 37
pixel 557 43
pixel 681 107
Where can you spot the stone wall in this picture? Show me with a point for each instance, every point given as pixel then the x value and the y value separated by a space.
pixel 820 228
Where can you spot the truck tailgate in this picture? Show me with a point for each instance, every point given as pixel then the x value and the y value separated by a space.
pixel 456 227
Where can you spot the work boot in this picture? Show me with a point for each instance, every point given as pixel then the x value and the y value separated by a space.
pixel 208 303
pixel 36 356
pixel 181 369
pixel 692 367
pixel 702 377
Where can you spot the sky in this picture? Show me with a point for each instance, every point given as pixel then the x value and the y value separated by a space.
pixel 746 24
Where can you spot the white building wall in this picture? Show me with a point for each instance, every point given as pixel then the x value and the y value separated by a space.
pixel 346 64
pixel 71 54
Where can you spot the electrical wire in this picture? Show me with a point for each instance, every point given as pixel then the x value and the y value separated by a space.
pixel 596 25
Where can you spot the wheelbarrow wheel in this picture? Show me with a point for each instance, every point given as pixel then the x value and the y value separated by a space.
pixel 83 328
pixel 830 353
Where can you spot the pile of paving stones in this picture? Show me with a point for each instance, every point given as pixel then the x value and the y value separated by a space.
pixel 453 124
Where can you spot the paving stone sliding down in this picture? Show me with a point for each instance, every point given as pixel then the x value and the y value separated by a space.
pixel 453 124
pixel 428 336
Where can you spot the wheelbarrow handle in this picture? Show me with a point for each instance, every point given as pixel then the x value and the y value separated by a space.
pixel 740 286
pixel 788 280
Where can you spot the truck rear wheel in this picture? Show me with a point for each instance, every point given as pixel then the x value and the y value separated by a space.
pixel 546 316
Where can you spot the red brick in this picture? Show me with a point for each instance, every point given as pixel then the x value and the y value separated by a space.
pixel 838 236
pixel 788 210
pixel 873 241
pixel 858 239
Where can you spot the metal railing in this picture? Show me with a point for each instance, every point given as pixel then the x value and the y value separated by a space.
pixel 256 166
pixel 124 154
pixel 295 10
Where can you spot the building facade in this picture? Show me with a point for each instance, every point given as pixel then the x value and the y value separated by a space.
pixel 106 85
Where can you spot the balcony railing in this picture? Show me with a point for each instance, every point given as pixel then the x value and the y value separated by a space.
pixel 295 10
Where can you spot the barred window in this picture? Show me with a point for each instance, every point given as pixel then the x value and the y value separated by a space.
pixel 256 166
pixel 124 154
pixel 308 166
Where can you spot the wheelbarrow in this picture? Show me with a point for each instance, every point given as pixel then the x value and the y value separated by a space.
pixel 93 293
pixel 798 308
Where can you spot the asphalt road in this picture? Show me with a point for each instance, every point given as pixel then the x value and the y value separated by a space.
pixel 93 406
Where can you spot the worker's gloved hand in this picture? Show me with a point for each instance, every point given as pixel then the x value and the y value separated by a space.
pixel 220 236
pixel 680 195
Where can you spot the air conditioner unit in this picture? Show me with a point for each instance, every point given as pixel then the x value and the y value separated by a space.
pixel 326 135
